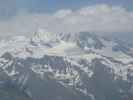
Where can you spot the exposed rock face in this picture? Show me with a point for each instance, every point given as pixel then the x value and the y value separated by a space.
pixel 84 67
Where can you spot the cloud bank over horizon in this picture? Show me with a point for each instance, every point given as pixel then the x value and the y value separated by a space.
pixel 96 18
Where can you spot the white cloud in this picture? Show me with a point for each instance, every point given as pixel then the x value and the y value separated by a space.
pixel 97 18
pixel 62 13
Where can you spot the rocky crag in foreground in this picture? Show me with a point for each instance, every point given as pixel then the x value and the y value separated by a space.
pixel 79 66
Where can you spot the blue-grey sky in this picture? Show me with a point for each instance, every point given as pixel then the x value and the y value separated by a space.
pixel 51 5
pixel 9 8
pixel 99 16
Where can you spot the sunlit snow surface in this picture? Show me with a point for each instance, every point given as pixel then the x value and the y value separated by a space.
pixel 64 58
pixel 47 43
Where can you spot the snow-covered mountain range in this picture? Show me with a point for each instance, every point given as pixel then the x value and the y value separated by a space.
pixel 66 66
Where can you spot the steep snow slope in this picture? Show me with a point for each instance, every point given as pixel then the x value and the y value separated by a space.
pixel 56 44
pixel 76 66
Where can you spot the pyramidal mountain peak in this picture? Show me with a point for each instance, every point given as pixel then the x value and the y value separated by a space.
pixel 49 66
pixel 65 43
pixel 42 35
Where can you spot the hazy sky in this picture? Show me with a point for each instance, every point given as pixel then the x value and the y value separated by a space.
pixel 101 16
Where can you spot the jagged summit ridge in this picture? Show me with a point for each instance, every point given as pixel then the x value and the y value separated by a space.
pixel 48 43
pixel 42 35
pixel 67 66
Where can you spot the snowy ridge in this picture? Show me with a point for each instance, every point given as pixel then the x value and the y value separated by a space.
pixel 47 43
pixel 71 61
